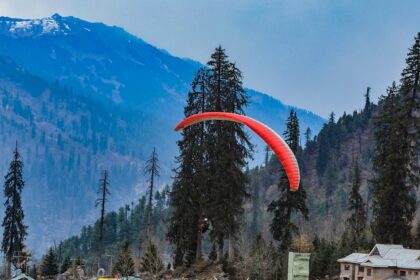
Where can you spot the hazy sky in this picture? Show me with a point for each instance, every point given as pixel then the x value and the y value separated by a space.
pixel 319 55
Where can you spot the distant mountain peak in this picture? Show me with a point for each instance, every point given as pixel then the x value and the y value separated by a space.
pixel 33 27
pixel 56 16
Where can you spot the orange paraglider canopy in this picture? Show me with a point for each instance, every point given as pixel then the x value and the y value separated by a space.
pixel 273 140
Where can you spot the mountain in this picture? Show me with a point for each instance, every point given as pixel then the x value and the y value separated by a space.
pixel 80 97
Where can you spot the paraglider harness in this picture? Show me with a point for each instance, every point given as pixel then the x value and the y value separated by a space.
pixel 203 224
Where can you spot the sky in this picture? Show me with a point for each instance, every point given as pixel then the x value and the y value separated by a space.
pixel 317 55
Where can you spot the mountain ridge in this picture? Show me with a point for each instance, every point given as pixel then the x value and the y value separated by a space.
pixel 95 107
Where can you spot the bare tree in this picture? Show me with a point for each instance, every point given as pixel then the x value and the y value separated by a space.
pixel 151 169
pixel 103 191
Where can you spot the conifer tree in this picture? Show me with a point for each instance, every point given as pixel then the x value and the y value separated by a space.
pixel 152 261
pixel 357 219
pixel 410 76
pixel 289 202
pixel 65 265
pixel 368 105
pixel 101 201
pixel 49 266
pixel 410 97
pixel 267 154
pixel 228 150
pixel 394 201
pixel 152 169
pixel 308 137
pixel 190 185
pixel 211 162
pixel 14 228
pixel 124 265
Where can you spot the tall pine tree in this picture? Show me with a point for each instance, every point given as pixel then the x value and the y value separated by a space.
pixel 357 220
pixel 394 202
pixel 228 150
pixel 14 228
pixel 211 179
pixel 289 202
pixel 188 196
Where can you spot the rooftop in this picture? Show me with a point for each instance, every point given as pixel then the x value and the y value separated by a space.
pixel 386 255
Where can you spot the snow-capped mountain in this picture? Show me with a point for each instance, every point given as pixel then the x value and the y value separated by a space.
pixel 81 96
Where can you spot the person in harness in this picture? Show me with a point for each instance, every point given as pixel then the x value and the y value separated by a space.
pixel 203 224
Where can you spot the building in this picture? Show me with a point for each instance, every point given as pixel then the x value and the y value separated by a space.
pixel 383 262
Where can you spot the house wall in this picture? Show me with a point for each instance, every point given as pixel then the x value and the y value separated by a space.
pixel 383 273
pixel 346 274
pixel 354 273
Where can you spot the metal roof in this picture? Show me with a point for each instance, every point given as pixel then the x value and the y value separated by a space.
pixel 354 258
pixel 22 276
pixel 382 249
pixel 386 255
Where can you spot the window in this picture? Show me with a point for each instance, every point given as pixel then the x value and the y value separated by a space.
pixel 416 273
pixel 346 267
pixel 361 269
pixel 395 271
pixel 409 273
pixel 402 273
pixel 369 272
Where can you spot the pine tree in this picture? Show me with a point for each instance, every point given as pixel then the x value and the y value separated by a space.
pixel 188 196
pixel 357 220
pixel 101 201
pixel 14 229
pixel 289 202
pixel 49 266
pixel 267 151
pixel 394 201
pixel 124 265
pixel 308 137
pixel 65 265
pixel 368 105
pixel 331 119
pixel 228 149
pixel 152 262
pixel 211 162
pixel 152 169
pixel 410 75
pixel 411 108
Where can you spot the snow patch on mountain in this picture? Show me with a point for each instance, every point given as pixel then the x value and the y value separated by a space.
pixel 48 25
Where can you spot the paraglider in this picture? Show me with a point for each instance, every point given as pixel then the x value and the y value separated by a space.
pixel 273 140
pixel 203 224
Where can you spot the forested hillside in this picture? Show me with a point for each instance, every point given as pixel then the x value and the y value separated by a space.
pixel 79 97
pixel 327 173
pixel 59 132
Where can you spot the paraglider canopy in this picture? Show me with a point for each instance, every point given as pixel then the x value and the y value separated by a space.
pixel 273 140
